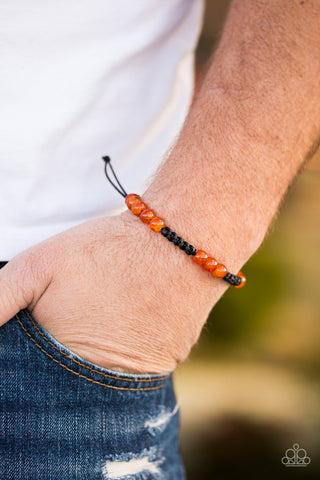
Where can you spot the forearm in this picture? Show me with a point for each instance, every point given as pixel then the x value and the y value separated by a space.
pixel 250 129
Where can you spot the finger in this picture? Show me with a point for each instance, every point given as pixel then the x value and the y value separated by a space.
pixel 22 281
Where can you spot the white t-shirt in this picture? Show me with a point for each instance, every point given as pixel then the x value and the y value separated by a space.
pixel 81 79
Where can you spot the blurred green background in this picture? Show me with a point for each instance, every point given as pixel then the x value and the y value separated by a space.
pixel 251 387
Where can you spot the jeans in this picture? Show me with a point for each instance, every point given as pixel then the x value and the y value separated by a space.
pixel 64 418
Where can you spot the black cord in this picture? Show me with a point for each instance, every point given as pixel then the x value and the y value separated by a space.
pixel 107 161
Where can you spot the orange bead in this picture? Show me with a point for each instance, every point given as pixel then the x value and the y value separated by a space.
pixel 138 206
pixel 156 224
pixel 200 257
pixel 220 271
pixel 243 280
pixel 147 215
pixel 210 264
pixel 130 199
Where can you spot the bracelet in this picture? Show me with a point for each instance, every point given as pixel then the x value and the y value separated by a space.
pixel 157 224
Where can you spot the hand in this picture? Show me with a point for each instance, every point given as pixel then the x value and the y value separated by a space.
pixel 112 291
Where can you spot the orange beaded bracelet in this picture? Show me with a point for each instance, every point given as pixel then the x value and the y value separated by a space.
pixel 157 224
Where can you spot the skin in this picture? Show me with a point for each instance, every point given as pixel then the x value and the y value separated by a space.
pixel 123 297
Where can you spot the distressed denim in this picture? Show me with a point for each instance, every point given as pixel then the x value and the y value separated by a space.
pixel 64 418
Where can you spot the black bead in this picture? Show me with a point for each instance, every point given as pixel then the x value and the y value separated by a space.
pixel 165 231
pixel 177 240
pixel 180 242
pixel 184 245
pixel 193 250
pixel 172 236
pixel 189 249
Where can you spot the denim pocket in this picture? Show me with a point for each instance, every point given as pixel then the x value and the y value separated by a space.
pixel 60 355
pixel 64 417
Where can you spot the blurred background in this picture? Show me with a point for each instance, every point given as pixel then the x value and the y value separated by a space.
pixel 251 387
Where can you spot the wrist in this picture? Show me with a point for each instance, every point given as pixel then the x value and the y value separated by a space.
pixel 218 207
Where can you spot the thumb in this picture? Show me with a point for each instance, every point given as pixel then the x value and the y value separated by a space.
pixel 22 282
